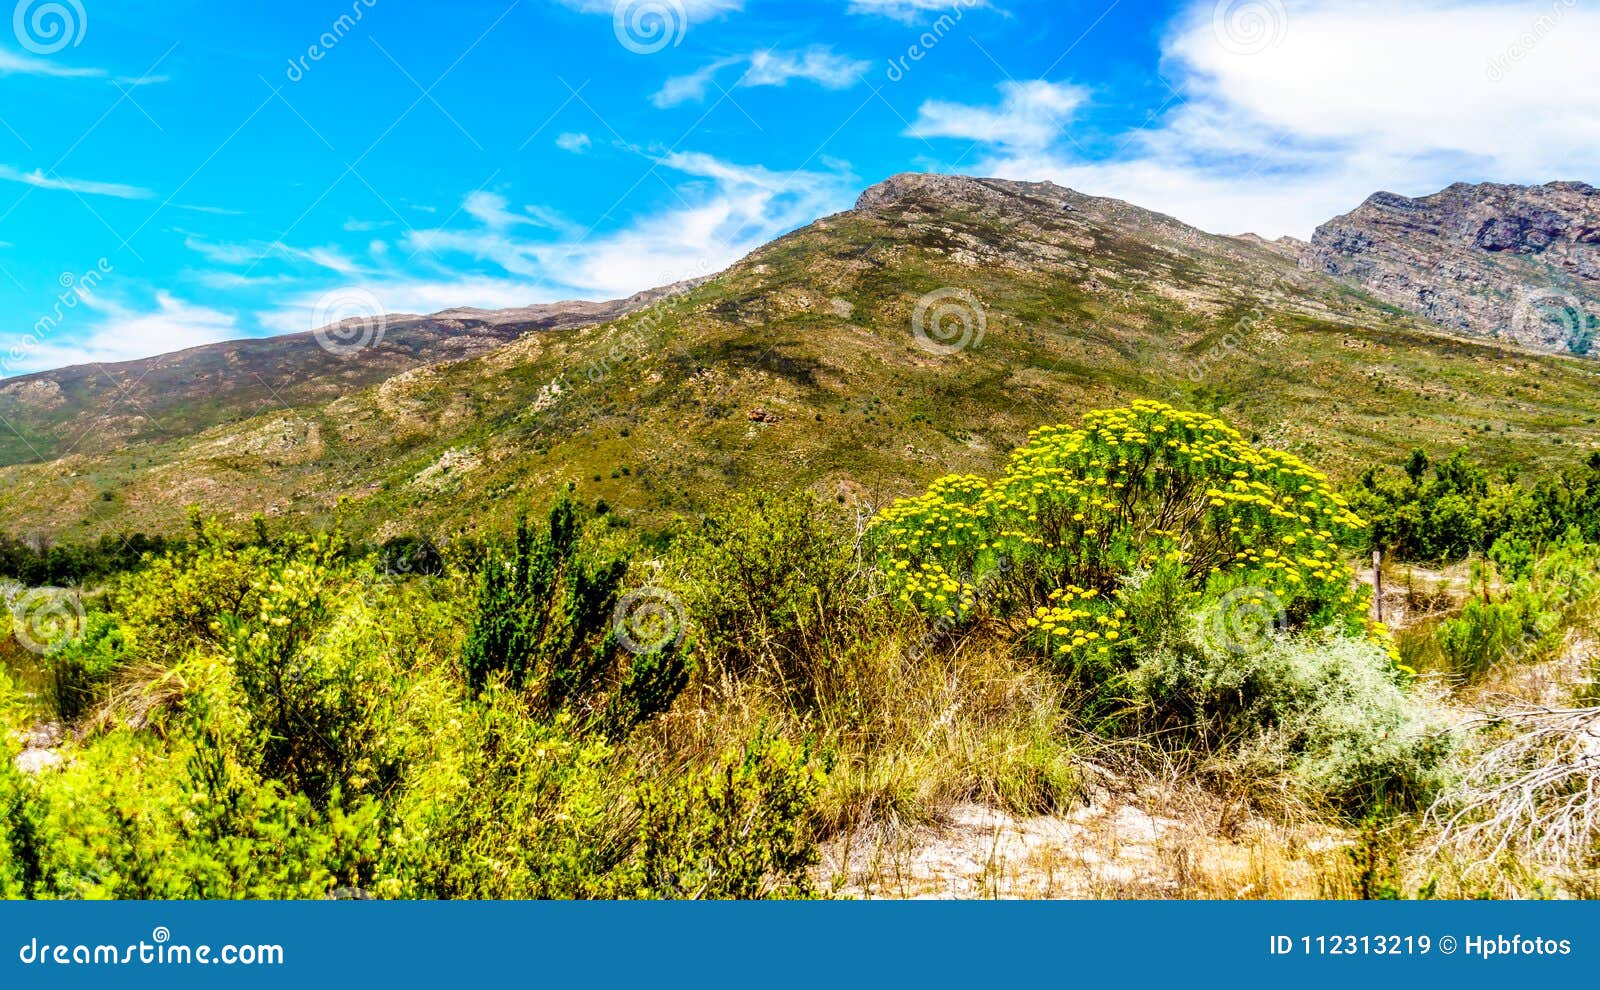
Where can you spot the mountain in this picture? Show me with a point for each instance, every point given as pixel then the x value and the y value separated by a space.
pixel 1514 263
pixel 99 408
pixel 925 331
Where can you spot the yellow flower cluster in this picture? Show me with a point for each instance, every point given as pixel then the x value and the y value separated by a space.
pixel 1131 487
pixel 1077 620
pixel 933 540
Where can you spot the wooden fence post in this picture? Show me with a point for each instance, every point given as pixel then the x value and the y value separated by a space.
pixel 1377 584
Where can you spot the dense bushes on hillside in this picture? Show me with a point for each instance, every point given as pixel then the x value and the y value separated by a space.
pixel 1444 511
pixel 284 721
pixel 554 714
pixel 40 562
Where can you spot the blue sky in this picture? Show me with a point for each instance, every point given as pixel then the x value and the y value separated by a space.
pixel 183 172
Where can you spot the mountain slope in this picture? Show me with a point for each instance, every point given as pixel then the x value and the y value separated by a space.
pixel 100 408
pixel 803 364
pixel 1515 263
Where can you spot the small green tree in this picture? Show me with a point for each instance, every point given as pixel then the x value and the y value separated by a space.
pixel 546 622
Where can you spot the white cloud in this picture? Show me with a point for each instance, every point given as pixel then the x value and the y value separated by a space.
pixel 490 209
pixel 253 253
pixel 87 187
pixel 1288 121
pixel 818 64
pixel 13 64
pixel 1030 116
pixel 576 143
pixel 225 254
pixel 330 258
pixel 20 65
pixel 232 281
pixel 910 10
pixel 216 211
pixel 121 333
pixel 692 86
pixel 723 210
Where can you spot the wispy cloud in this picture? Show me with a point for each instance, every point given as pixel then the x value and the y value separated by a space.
pixel 1030 115
pixel 515 257
pixel 216 211
pixel 576 143
pixel 910 10
pixel 13 64
pixel 253 253
pixel 818 64
pixel 87 187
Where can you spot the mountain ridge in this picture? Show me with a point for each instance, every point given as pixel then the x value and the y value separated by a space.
pixel 236 377
pixel 925 331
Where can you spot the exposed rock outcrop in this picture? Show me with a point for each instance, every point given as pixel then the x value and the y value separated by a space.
pixel 1517 263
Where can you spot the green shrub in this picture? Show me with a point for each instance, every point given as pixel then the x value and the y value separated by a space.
pixel 768 580
pixel 80 670
pixel 1484 634
pixel 1523 620
pixel 550 617
pixel 314 695
pixel 18 870
pixel 1449 510
pixel 129 817
pixel 172 605
pixel 1331 712
pixel 514 807
pixel 739 829
pixel 407 556
pixel 521 807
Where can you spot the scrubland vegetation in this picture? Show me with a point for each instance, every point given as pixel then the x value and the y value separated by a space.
pixel 584 709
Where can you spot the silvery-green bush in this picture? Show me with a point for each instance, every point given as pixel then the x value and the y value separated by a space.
pixel 1328 712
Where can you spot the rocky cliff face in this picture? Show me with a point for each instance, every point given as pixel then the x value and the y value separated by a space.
pixel 1517 263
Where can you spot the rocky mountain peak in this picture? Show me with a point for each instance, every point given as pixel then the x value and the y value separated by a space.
pixel 927 190
pixel 1519 263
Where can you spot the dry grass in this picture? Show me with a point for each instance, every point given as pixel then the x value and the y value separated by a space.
pixel 905 736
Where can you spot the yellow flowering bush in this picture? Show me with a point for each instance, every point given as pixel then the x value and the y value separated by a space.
pixel 1080 509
